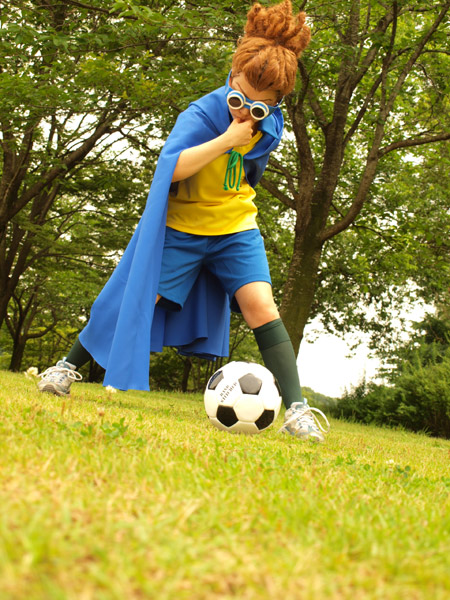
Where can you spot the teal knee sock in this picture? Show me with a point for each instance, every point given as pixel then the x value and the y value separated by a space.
pixel 279 357
pixel 78 355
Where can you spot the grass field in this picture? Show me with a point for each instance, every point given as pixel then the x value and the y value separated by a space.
pixel 135 495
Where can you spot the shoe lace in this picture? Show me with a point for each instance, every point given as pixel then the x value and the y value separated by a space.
pixel 72 375
pixel 305 414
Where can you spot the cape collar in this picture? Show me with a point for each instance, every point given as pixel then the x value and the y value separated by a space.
pixel 215 109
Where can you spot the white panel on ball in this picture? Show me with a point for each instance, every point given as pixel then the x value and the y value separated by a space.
pixel 242 397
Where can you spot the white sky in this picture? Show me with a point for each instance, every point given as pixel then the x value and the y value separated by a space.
pixel 328 366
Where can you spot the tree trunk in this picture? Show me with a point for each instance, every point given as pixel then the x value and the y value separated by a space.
pixel 300 286
pixel 96 372
pixel 17 353
pixel 186 371
pixel 5 297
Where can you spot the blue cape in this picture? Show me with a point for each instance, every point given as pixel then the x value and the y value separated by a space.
pixel 124 325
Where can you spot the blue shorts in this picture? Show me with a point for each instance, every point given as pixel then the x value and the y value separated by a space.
pixel 235 259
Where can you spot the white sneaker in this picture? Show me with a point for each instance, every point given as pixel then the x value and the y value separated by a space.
pixel 300 421
pixel 58 379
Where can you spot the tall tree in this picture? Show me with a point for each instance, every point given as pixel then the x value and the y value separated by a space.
pixel 396 254
pixel 77 77
pixel 75 80
pixel 73 254
pixel 372 83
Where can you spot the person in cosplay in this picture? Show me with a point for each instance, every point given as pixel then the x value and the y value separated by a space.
pixel 197 252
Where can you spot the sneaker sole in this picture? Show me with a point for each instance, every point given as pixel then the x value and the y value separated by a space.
pixel 312 438
pixel 50 387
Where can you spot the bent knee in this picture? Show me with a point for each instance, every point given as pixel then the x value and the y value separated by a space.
pixel 257 304
pixel 259 313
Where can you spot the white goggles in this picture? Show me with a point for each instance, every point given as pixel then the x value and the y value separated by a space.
pixel 258 110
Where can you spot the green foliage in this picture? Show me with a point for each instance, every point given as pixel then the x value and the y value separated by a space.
pixel 370 103
pixel 68 72
pixel 324 403
pixel 275 223
pixel 72 256
pixel 395 253
pixel 90 90
pixel 418 397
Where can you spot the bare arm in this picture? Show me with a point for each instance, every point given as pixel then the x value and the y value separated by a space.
pixel 191 160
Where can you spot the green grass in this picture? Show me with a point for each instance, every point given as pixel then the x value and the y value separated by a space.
pixel 135 495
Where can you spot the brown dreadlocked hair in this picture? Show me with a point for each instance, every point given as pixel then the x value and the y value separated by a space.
pixel 273 41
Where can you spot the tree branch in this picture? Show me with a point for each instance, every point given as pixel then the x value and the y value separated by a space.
pixel 287 175
pixel 273 189
pixel 362 111
pixel 410 142
pixel 414 56
pixel 312 97
pixel 68 162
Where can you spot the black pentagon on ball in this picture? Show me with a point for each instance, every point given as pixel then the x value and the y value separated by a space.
pixel 226 415
pixel 250 384
pixel 265 419
pixel 215 380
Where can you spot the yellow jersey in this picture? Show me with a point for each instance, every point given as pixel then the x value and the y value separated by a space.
pixel 201 205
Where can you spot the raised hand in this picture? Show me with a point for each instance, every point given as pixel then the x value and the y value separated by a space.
pixel 240 132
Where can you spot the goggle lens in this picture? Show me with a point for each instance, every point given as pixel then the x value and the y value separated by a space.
pixel 235 101
pixel 258 110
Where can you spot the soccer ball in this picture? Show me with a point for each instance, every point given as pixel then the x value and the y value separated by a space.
pixel 242 397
